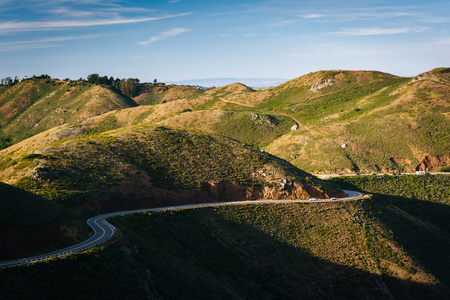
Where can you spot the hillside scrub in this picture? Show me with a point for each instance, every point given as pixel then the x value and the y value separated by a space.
pixel 33 106
pixel 380 123
pixel 416 209
pixel 320 250
pixel 252 128
pixel 31 224
pixel 155 166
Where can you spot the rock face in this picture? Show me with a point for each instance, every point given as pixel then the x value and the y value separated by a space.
pixel 322 83
pixel 433 163
pixel 209 192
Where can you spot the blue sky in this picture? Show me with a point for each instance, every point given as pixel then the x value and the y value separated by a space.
pixel 174 40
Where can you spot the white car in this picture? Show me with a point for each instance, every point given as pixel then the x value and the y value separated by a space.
pixel 333 198
pixel 312 199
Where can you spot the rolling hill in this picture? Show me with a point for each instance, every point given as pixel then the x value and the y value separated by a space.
pixel 341 121
pixel 155 93
pixel 133 167
pixel 82 149
pixel 391 246
pixel 35 105
pixel 323 122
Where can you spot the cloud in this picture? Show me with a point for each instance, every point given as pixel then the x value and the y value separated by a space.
pixel 164 35
pixel 282 23
pixel 377 31
pixel 41 43
pixel 12 26
pixel 312 16
pixel 361 14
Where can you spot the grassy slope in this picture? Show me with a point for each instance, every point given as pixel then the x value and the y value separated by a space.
pixel 151 94
pixel 143 167
pixel 416 209
pixel 33 106
pixel 169 158
pixel 387 123
pixel 348 250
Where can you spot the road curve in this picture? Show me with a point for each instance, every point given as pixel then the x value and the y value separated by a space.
pixel 104 231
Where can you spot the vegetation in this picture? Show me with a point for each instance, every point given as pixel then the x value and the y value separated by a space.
pixel 416 209
pixel 393 244
pixel 252 128
pixel 169 159
pixel 33 106
pixel 21 208
pixel 382 247
pixel 5 141
pixel 156 93
pixel 386 123
pixel 125 86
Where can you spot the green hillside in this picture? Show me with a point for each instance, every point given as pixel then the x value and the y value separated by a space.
pixel 155 93
pixel 74 150
pixel 348 121
pixel 382 124
pixel 35 105
pixel 141 167
pixel 144 162
pixel 379 248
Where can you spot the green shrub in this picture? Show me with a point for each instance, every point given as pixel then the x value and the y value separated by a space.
pixel 444 169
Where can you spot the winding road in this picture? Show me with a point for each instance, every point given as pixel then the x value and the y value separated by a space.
pixel 104 231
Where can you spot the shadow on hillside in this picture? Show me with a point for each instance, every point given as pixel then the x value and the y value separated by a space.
pixel 203 255
pixel 31 224
pixel 197 254
pixel 421 227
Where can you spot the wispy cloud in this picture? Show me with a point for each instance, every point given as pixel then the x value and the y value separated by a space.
pixel 282 23
pixel 11 26
pixel 361 15
pixel 377 31
pixel 312 16
pixel 41 43
pixel 164 35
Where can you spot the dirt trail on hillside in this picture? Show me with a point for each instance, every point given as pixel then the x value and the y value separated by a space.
pixel 292 118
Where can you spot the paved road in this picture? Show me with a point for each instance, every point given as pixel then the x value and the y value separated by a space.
pixel 103 231
pixel 325 176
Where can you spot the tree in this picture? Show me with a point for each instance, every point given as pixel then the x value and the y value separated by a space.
pixel 93 78
pixel 128 86
pixel 5 141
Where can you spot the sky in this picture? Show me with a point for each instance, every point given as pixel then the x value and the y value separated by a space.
pixel 173 40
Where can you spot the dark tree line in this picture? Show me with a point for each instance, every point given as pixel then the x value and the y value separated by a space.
pixel 9 81
pixel 127 87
